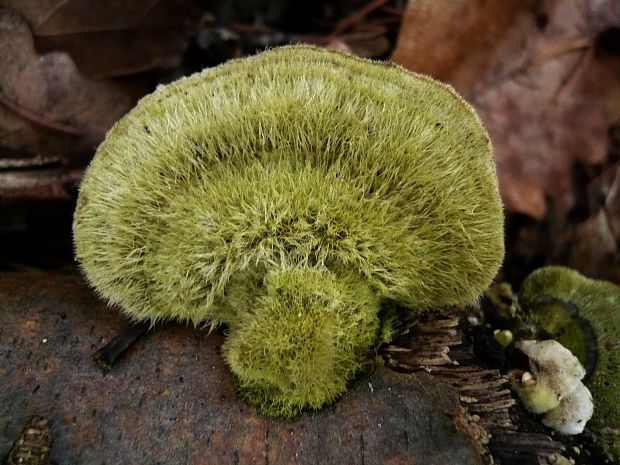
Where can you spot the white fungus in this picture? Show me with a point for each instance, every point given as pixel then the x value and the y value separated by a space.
pixel 553 386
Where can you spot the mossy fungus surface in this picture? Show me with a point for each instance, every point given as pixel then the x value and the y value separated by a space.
pixel 584 316
pixel 287 195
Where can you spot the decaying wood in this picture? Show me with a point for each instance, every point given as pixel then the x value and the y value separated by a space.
pixel 483 392
pixel 171 399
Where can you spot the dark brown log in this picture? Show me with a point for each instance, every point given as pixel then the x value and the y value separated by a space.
pixel 172 400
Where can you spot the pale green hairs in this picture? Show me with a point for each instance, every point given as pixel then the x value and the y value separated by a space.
pixel 287 196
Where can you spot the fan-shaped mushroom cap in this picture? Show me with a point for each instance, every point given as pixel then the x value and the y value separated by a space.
pixel 295 158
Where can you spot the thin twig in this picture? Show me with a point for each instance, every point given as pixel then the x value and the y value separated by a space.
pixel 243 28
pixel 38 119
pixel 578 44
pixel 106 356
pixel 568 46
pixel 350 20
pixel 352 37
pixel 393 10
pixel 38 161
pixel 575 74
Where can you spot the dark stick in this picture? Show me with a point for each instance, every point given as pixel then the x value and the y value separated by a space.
pixel 38 119
pixel 106 356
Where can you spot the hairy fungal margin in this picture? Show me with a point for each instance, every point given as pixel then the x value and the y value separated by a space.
pixel 286 196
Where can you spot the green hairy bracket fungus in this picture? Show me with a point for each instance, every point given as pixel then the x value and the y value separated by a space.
pixel 287 196
pixel 583 315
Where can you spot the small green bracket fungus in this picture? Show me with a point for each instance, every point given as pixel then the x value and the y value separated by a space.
pixel 584 316
pixel 287 196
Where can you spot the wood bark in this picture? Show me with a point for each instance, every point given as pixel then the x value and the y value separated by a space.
pixel 171 399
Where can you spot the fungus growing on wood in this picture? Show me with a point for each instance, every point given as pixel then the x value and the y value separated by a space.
pixel 287 196
pixel 584 316
pixel 553 386
pixel 554 373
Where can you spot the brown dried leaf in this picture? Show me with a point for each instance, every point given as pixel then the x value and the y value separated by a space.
pixel 594 247
pixel 112 38
pixel 436 36
pixel 47 108
pixel 595 242
pixel 546 93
